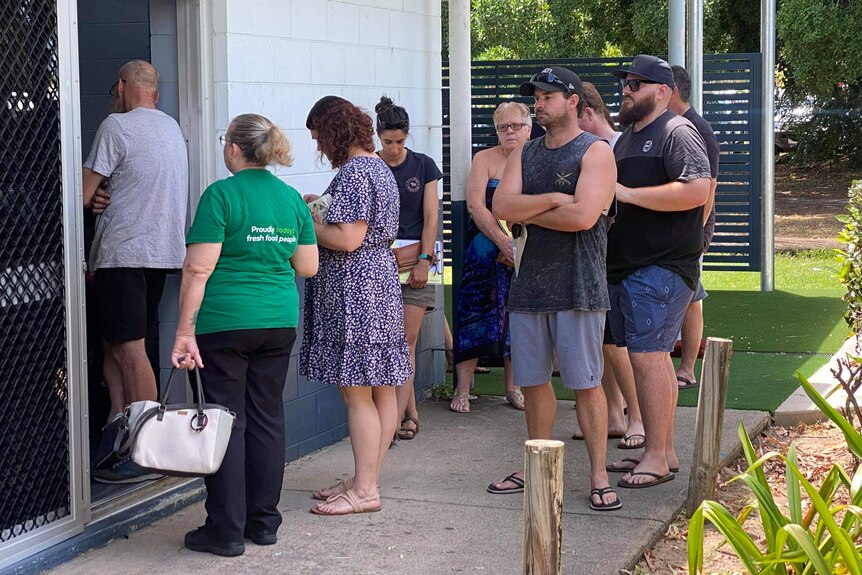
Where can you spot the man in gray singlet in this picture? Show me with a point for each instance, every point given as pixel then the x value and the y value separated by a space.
pixel 557 188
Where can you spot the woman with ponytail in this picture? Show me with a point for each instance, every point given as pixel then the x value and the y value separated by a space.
pixel 239 308
pixel 417 177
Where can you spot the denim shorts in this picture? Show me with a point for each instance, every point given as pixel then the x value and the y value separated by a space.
pixel 647 309
pixel 699 293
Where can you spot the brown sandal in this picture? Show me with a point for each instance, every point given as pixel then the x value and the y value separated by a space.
pixel 355 505
pixel 318 494
pixel 405 433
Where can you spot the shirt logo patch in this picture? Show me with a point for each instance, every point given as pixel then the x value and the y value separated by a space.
pixel 413 185
pixel 563 180
pixel 647 145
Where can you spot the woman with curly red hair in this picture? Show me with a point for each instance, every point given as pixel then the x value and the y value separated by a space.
pixel 354 329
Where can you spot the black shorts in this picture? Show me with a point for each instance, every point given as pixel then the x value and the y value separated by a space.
pixel 127 302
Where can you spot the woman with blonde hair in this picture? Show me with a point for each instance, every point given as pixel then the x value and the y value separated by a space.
pixel 239 308
pixel 483 331
pixel 354 327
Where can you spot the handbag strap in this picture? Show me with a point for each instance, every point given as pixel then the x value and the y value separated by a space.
pixel 196 376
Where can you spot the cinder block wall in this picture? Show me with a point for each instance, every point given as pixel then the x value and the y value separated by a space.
pixel 277 60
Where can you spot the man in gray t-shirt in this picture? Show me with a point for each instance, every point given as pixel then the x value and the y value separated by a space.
pixel 136 180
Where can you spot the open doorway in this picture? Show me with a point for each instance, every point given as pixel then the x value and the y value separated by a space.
pixel 109 35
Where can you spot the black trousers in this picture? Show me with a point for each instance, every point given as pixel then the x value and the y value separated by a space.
pixel 245 371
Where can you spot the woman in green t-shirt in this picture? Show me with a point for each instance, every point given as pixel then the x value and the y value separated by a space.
pixel 239 308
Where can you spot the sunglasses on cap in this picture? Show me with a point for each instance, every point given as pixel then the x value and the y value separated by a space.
pixel 547 76
pixel 634 84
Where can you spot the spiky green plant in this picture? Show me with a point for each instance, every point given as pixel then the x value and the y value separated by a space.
pixel 825 539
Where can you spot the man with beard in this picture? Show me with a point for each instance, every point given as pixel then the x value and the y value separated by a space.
pixel 558 187
pixel 136 179
pixel 654 252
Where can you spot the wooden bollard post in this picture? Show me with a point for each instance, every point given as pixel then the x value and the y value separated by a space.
pixel 710 419
pixel 543 506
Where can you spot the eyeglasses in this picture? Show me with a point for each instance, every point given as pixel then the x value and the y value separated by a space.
pixel 223 140
pixel 547 76
pixel 634 84
pixel 113 90
pixel 503 128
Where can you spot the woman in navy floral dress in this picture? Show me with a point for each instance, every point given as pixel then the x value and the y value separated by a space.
pixel 354 328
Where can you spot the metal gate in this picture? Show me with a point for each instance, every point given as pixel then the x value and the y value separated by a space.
pixel 38 500
pixel 731 97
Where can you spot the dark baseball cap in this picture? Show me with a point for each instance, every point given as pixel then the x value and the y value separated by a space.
pixel 553 79
pixel 649 68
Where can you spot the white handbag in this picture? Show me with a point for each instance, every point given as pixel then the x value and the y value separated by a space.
pixel 186 440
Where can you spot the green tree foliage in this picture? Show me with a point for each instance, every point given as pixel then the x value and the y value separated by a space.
pixel 820 60
pixel 530 29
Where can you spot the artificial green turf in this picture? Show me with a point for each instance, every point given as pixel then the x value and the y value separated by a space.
pixel 759 381
pixel 774 333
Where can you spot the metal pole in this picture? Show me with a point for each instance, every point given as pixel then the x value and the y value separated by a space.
pixel 694 52
pixel 460 121
pixel 676 32
pixel 460 139
pixel 767 152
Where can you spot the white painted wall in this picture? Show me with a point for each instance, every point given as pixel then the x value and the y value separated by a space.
pixel 277 57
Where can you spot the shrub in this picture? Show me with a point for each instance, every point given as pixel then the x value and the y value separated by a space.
pixel 823 539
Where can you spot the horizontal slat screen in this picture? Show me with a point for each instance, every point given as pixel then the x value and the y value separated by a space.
pixel 731 96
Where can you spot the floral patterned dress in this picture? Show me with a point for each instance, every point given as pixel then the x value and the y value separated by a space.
pixel 354 321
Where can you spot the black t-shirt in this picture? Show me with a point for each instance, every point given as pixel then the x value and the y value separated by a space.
pixel 712 152
pixel 667 150
pixel 412 174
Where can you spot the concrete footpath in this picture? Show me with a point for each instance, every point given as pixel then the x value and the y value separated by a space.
pixel 437 517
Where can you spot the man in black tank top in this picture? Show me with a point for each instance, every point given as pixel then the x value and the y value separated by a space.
pixel 654 251
pixel 557 189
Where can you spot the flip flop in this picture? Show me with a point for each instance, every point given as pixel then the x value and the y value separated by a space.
pixel 623 482
pixel 460 402
pixel 638 445
pixel 355 505
pixel 512 478
pixel 515 399
pixel 408 434
pixel 635 462
pixel 601 491
pixel 579 436
pixel 686 382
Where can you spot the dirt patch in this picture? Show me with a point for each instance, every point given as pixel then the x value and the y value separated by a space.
pixel 806 203
pixel 818 447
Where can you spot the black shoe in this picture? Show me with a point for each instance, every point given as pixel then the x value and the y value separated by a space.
pixel 260 536
pixel 199 540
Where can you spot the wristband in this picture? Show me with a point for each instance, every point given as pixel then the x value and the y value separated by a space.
pixel 428 257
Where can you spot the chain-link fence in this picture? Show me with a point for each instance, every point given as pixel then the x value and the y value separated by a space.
pixel 34 426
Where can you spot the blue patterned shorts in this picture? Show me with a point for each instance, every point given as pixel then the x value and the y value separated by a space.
pixel 647 309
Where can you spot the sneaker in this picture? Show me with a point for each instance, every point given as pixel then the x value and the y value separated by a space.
pixel 199 540
pixel 260 536
pixel 104 456
pixel 124 471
